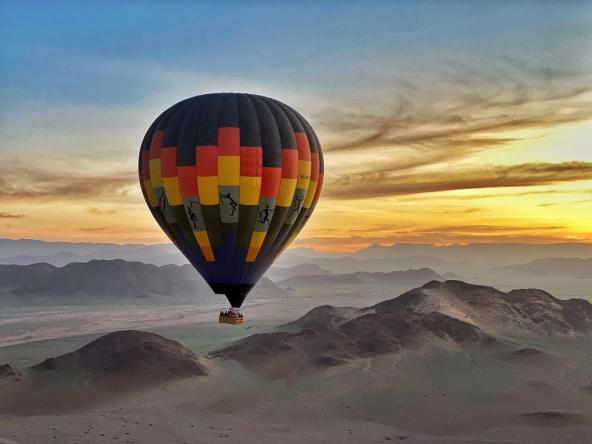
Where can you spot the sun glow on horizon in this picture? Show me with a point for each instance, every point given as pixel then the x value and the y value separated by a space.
pixel 478 131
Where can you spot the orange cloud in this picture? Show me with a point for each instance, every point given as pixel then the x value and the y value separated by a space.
pixel 20 183
pixel 383 183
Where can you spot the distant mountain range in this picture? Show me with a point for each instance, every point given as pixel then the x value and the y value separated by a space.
pixel 485 253
pixel 563 269
pixel 280 273
pixel 393 279
pixel 351 264
pixel 28 251
pixel 555 266
pixel 450 315
pixel 110 282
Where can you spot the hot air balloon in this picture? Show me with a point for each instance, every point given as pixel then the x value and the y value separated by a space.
pixel 231 179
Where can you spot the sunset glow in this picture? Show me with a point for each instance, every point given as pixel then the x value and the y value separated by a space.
pixel 421 144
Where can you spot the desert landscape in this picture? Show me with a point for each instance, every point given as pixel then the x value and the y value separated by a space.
pixel 357 356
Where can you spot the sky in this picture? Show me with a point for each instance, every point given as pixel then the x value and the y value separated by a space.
pixel 441 122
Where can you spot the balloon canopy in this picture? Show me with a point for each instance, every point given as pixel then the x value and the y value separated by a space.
pixel 231 179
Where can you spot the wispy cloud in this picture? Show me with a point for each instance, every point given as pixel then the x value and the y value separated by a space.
pixel 445 234
pixel 5 215
pixel 102 211
pixel 384 183
pixel 463 112
pixel 466 109
pixel 32 184
pixel 581 201
pixel 91 229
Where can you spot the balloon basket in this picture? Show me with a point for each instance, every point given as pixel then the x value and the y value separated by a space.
pixel 231 316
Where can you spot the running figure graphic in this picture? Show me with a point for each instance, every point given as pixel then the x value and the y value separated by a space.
pixel 296 207
pixel 264 215
pixel 231 201
pixel 192 215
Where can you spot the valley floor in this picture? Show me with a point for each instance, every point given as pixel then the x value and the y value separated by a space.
pixel 34 324
pixel 235 406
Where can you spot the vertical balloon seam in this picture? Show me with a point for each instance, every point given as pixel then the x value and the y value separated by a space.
pixel 286 188
pixel 155 164
pixel 321 178
pixel 186 176
pixel 303 150
pixel 270 175
pixel 158 215
pixel 142 163
pixel 296 129
pixel 254 157
pixel 283 133
pixel 288 174
pixel 206 239
pixel 187 173
pixel 229 189
pixel 206 146
pixel 314 175
pixel 168 166
pixel 170 172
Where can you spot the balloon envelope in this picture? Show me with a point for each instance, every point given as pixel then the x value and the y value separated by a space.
pixel 231 179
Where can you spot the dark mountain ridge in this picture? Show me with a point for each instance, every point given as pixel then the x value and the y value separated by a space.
pixel 527 311
pixel 450 315
pixel 108 282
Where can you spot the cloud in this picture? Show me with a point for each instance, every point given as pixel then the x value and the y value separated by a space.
pixel 35 184
pixel 383 183
pixel 456 113
pixel 447 235
pixel 474 126
pixel 581 201
pixel 5 215
pixel 102 211
pixel 91 229
pixel 443 234
pixel 508 193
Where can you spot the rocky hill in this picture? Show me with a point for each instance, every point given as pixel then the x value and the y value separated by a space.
pixel 450 315
pixel 525 311
pixel 133 356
